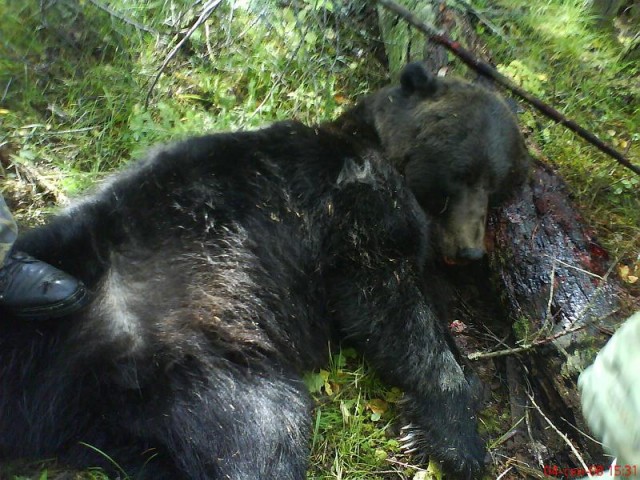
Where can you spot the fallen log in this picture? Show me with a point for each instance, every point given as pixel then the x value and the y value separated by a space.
pixel 554 283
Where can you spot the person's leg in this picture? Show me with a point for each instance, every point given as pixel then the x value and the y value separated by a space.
pixel 30 288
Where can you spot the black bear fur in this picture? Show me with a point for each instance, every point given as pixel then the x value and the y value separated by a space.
pixel 219 269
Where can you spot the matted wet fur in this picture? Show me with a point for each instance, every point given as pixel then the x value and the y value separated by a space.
pixel 219 269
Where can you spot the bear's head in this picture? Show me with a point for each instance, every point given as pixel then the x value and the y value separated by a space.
pixel 458 146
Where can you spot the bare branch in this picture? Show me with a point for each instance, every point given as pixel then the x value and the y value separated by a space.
pixel 207 10
pixel 124 18
pixel 537 343
pixel 562 435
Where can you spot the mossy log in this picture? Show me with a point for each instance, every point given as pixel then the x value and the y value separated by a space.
pixel 554 283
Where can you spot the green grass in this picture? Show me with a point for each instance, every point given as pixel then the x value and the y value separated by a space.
pixel 75 89
pixel 74 80
pixel 350 437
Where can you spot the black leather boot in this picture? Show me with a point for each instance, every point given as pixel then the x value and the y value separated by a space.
pixel 35 290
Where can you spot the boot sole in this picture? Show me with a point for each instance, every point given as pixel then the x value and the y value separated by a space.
pixel 67 306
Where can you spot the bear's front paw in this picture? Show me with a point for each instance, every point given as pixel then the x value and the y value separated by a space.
pixel 462 453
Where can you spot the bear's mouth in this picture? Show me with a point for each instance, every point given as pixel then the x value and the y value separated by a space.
pixel 455 262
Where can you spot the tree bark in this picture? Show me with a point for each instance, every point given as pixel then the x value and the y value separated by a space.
pixel 556 289
pixel 406 44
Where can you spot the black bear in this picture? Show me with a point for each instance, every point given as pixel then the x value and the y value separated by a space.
pixel 459 148
pixel 221 266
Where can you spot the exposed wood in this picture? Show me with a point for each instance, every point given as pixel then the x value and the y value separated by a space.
pixel 553 270
pixel 554 278
pixel 405 44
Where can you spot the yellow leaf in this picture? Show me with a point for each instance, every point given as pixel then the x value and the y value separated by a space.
pixel 627 275
pixel 4 111
pixel 623 271
pixel 377 405
pixel 327 388
pixel 324 375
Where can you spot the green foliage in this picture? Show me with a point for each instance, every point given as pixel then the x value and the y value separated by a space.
pixel 521 329
pixel 533 82
pixel 75 79
pixel 349 438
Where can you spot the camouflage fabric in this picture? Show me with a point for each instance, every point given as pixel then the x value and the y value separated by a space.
pixel 8 230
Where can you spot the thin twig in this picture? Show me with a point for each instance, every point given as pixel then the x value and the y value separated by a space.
pixel 65 132
pixel 6 90
pixel 536 343
pixel 499 477
pixel 485 69
pixel 468 8
pixel 573 267
pixel 551 293
pixel 406 465
pixel 207 10
pixel 34 126
pixel 281 75
pixel 562 435
pixel 532 441
pixel 124 18
pixel 583 433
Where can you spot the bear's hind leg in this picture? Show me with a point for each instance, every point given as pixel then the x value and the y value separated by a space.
pixel 239 424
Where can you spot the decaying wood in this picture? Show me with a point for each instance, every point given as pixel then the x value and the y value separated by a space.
pixel 552 270
pixel 555 285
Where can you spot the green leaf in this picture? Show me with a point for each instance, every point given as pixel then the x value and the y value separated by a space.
pixel 314 382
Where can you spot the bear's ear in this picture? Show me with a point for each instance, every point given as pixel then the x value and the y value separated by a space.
pixel 416 79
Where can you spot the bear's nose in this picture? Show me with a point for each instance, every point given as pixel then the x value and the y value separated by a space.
pixel 470 254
